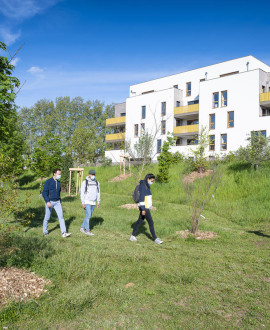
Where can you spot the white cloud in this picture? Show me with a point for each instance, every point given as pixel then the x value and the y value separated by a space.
pixel 35 69
pixel 8 37
pixel 15 61
pixel 22 9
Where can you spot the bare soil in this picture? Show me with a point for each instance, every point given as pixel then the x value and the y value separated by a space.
pixel 19 285
pixel 134 206
pixel 200 235
pixel 121 177
pixel 196 175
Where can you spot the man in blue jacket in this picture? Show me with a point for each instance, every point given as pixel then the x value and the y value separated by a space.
pixel 51 195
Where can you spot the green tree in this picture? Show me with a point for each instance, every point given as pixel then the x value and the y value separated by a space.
pixel 257 150
pixel 199 161
pixel 165 159
pixel 11 139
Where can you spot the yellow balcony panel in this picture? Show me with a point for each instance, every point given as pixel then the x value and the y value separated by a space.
pixel 115 137
pixel 116 121
pixel 187 129
pixel 265 97
pixel 186 109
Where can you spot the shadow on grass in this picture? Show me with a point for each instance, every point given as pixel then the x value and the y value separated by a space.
pixel 238 167
pixel 95 221
pixel 25 179
pixel 34 187
pixel 258 233
pixel 142 230
pixel 68 198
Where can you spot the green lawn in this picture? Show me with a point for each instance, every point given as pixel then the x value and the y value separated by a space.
pixel 187 284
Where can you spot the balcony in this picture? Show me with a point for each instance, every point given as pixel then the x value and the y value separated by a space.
pixel 265 99
pixel 186 110
pixel 186 130
pixel 116 121
pixel 116 137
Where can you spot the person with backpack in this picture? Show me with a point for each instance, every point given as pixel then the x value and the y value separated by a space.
pixel 90 195
pixel 51 195
pixel 143 196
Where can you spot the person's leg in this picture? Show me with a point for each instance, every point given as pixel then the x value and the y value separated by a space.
pixel 58 208
pixel 150 221
pixel 92 207
pixel 138 223
pixel 48 211
pixel 85 223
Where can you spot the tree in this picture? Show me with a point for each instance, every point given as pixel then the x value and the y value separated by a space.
pixel 165 159
pixel 11 139
pixel 199 161
pixel 257 150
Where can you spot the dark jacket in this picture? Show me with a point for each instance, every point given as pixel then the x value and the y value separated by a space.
pixel 145 195
pixel 51 190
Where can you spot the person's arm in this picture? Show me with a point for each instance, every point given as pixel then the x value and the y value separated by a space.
pixel 142 196
pixel 82 194
pixel 45 192
pixel 98 195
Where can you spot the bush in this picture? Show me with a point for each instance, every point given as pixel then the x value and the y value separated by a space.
pixel 106 162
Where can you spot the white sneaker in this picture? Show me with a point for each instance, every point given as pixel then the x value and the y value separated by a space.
pixel 66 234
pixel 89 233
pixel 82 230
pixel 158 241
pixel 133 238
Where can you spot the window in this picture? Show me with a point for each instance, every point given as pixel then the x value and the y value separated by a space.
pixel 158 146
pixel 263 89
pixel 193 122
pixel 175 86
pixel 142 129
pixel 223 144
pixel 122 114
pixel 188 88
pixel 265 112
pixel 163 127
pixel 215 100
pixel 179 142
pixel 177 104
pixel 163 108
pixel 224 98
pixel 143 112
pixel 191 142
pixel 202 79
pixel 193 102
pixel 136 130
pixel 212 142
pixel 263 133
pixel 152 91
pixel 230 119
pixel 179 122
pixel 212 121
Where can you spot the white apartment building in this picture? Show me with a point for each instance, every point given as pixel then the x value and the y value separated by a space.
pixel 231 99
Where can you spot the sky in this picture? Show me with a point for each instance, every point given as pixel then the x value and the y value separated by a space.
pixel 97 49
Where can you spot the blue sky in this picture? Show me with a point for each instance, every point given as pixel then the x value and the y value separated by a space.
pixel 96 49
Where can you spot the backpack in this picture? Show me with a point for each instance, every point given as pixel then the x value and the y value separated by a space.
pixel 136 194
pixel 86 184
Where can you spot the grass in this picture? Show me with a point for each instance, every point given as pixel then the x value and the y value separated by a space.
pixel 189 284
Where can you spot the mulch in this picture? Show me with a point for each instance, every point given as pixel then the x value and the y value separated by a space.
pixel 196 175
pixel 20 285
pixel 121 177
pixel 200 235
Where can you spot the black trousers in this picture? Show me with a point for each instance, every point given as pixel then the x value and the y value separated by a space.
pixel 140 220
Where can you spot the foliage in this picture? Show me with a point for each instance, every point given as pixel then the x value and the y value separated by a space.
pixel 79 125
pixel 199 160
pixel 66 164
pixel 165 159
pixel 257 150
pixel 11 139
pixel 106 162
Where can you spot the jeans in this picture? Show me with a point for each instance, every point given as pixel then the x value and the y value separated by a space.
pixel 140 220
pixel 48 210
pixel 89 209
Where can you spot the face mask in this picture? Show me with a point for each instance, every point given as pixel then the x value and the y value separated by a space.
pixel 58 177
pixel 92 177
pixel 150 182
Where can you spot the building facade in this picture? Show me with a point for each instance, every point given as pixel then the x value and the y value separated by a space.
pixel 230 99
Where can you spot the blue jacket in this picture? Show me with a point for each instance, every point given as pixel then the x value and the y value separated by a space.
pixel 51 190
pixel 145 195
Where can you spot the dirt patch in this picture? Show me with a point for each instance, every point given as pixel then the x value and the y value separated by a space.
pixel 200 235
pixel 196 175
pixel 121 177
pixel 129 285
pixel 134 206
pixel 20 284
